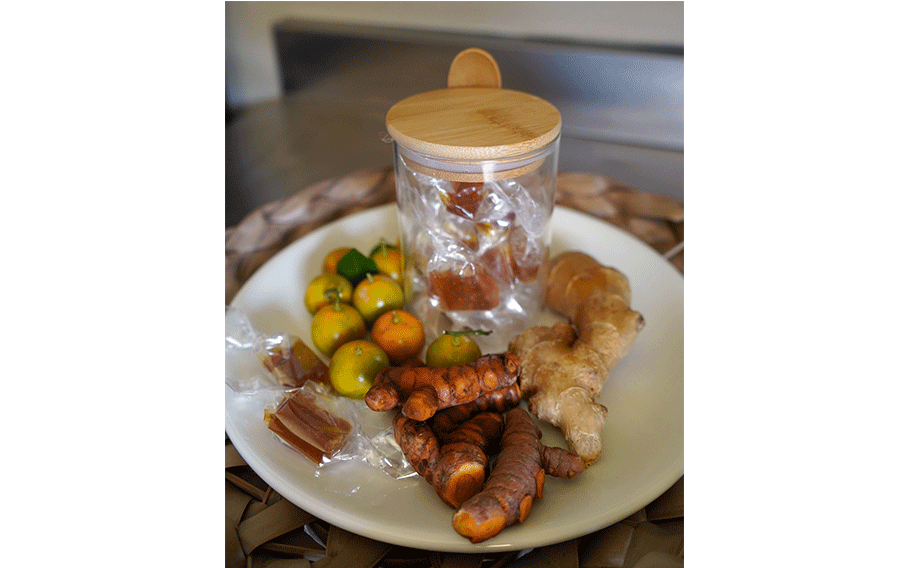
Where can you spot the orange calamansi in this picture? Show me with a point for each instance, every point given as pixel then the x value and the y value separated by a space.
pixel 400 334
pixel 330 262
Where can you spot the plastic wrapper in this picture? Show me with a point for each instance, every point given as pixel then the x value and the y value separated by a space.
pixel 332 430
pixel 476 253
pixel 292 363
pixel 311 423
pixel 299 406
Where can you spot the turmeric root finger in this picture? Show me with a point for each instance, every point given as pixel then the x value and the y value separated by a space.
pixel 561 463
pixel 462 466
pixel 517 479
pixel 418 444
pixel 456 468
pixel 422 391
pixel 460 473
pixel 392 384
pixel 501 400
pixel 511 486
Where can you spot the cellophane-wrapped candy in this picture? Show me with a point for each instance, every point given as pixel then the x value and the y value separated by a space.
pixel 288 380
pixel 476 253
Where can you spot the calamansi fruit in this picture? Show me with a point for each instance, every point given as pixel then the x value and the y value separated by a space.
pixel 336 324
pixel 354 365
pixel 376 295
pixel 453 348
pixel 388 260
pixel 399 334
pixel 330 262
pixel 317 293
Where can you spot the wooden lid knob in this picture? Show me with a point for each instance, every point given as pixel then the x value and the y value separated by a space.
pixel 474 67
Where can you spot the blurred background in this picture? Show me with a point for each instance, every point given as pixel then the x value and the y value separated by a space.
pixel 308 84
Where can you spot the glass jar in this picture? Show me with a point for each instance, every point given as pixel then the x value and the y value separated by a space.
pixel 475 172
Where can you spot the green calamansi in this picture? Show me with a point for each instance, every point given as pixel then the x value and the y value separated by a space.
pixel 454 348
pixel 336 324
pixel 316 295
pixel 376 295
pixel 388 260
pixel 354 366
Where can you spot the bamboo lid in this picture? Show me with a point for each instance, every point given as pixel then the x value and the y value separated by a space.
pixel 456 133
pixel 473 123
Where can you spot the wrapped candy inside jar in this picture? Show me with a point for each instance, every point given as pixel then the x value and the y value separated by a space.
pixel 475 172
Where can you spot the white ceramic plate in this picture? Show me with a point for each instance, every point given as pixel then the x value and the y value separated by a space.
pixel 643 445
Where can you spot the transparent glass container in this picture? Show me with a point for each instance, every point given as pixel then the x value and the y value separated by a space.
pixel 476 236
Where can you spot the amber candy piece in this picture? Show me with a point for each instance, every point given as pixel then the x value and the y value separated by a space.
pixel 293 363
pixel 308 427
pixel 464 199
pixel 513 258
pixel 499 261
pixel 470 289
pixel 526 258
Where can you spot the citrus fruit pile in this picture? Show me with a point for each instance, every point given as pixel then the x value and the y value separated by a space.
pixel 359 320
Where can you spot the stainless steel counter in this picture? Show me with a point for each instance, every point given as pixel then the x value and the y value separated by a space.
pixel 622 107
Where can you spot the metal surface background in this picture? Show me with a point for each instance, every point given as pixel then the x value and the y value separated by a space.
pixel 622 106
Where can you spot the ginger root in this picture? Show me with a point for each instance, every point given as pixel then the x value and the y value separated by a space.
pixel 423 390
pixel 561 373
pixel 456 464
pixel 516 480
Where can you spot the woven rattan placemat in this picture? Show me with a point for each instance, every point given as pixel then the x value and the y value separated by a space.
pixel 262 529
